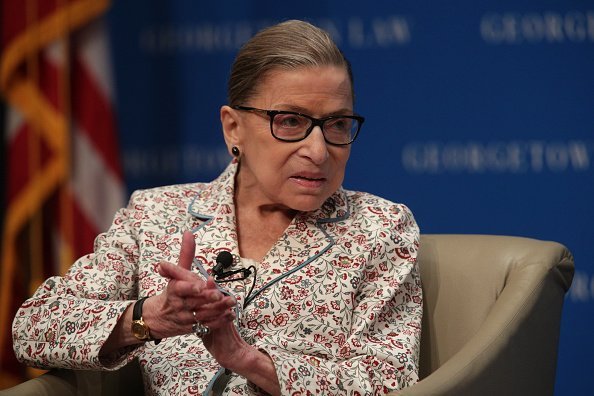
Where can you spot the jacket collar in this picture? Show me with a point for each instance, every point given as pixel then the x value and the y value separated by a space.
pixel 212 220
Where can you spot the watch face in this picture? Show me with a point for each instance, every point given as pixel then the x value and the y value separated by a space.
pixel 139 330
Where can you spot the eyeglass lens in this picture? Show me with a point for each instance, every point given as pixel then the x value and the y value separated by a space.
pixel 339 130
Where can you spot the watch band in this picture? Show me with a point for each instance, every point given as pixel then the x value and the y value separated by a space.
pixel 137 315
pixel 137 311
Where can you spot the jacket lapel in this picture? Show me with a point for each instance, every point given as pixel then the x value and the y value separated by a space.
pixel 212 221
pixel 306 238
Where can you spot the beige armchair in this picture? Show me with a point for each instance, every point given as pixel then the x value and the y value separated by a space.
pixel 491 322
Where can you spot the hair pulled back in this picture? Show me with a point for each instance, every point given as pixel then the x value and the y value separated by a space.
pixel 288 45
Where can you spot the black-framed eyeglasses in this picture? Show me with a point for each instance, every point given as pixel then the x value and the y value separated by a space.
pixel 289 126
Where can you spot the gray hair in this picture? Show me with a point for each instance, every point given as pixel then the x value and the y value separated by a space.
pixel 288 45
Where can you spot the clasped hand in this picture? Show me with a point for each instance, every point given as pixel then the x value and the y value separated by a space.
pixel 188 299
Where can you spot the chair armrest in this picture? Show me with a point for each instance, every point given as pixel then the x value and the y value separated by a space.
pixel 125 381
pixel 514 351
pixel 52 383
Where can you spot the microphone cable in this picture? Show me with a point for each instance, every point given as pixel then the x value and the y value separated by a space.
pixel 223 261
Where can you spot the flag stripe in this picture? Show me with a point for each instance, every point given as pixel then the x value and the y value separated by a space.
pixel 94 115
pixel 85 229
pixel 98 191
pixel 94 47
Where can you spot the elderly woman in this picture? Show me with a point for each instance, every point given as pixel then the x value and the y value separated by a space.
pixel 320 291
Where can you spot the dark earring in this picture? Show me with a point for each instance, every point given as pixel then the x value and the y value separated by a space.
pixel 235 151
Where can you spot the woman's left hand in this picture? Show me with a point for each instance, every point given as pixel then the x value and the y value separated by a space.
pixel 232 352
pixel 224 343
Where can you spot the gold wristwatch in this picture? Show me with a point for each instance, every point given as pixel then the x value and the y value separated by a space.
pixel 140 329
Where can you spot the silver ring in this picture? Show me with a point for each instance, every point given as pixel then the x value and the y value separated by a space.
pixel 200 330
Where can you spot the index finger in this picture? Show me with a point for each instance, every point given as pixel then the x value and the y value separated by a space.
pixel 186 253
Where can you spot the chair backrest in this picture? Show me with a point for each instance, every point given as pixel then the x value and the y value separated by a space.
pixel 487 298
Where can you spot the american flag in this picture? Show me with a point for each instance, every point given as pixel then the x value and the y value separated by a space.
pixel 64 179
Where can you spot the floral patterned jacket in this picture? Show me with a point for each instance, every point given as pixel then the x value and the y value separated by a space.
pixel 337 300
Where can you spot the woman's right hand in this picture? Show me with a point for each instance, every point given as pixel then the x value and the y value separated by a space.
pixel 186 298
pixel 171 313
